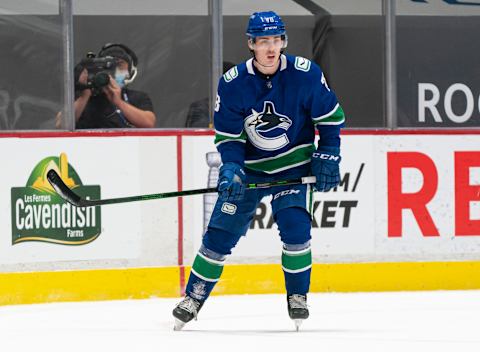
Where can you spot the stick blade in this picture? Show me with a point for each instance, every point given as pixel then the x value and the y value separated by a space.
pixel 62 189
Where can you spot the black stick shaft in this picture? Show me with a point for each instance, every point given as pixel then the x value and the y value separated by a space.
pixel 70 196
pixel 151 196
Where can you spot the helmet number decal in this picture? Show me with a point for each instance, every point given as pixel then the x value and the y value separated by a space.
pixel 267 19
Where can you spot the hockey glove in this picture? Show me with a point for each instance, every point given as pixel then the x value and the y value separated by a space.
pixel 325 168
pixel 231 182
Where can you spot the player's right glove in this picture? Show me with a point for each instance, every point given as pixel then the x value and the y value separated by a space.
pixel 325 168
pixel 231 182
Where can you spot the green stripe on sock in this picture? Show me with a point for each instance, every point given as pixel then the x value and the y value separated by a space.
pixel 207 269
pixel 296 261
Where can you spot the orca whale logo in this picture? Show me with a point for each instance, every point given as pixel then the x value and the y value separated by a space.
pixel 267 129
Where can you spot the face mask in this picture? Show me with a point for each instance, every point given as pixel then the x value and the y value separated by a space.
pixel 120 77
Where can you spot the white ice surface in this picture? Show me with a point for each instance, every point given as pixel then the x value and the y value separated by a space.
pixel 387 322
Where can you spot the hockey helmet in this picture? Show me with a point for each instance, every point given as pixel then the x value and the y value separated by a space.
pixel 263 24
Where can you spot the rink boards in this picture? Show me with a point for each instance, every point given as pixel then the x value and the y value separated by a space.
pixel 405 217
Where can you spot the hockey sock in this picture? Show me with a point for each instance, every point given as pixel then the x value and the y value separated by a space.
pixel 297 266
pixel 206 271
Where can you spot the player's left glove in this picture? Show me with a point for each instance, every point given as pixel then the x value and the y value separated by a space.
pixel 231 182
pixel 325 168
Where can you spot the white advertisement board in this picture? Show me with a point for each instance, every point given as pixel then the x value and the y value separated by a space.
pixel 37 226
pixel 402 198
pixel 428 197
pixel 393 186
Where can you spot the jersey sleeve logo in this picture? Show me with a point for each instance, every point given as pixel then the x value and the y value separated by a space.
pixel 266 130
pixel 231 74
pixel 302 64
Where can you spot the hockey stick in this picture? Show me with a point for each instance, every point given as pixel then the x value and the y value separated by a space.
pixel 70 196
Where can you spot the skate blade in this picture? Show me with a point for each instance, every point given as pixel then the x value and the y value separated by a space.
pixel 298 322
pixel 178 325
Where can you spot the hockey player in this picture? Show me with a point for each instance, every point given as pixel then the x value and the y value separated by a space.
pixel 266 112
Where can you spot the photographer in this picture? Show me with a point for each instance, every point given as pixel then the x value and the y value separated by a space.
pixel 101 97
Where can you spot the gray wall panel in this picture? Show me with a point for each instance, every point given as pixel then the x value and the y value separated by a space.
pixel 442 51
pixel 31 72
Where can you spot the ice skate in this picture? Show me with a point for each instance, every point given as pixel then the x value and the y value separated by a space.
pixel 185 311
pixel 297 309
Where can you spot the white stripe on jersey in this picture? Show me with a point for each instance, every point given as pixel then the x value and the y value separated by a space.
pixel 278 155
pixel 287 167
pixel 230 140
pixel 327 114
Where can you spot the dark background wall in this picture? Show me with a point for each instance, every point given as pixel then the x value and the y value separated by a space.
pixel 174 56
pixel 350 49
pixel 30 71
pixel 441 50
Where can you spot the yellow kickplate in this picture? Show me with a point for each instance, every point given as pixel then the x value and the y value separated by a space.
pixel 136 283
pixel 86 285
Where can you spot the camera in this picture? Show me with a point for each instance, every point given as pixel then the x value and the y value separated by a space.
pixel 99 69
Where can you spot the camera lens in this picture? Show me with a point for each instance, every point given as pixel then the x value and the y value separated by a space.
pixel 101 79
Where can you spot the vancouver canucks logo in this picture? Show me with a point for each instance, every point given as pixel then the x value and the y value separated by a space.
pixel 266 130
pixel 40 214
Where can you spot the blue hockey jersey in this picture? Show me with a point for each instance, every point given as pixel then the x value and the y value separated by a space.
pixel 267 123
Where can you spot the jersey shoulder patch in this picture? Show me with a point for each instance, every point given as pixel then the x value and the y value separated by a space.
pixel 302 64
pixel 231 74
